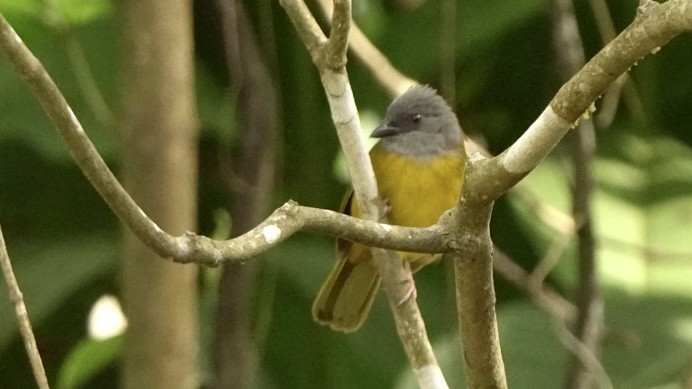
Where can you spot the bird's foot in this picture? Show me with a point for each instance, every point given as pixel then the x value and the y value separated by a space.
pixel 410 293
pixel 386 209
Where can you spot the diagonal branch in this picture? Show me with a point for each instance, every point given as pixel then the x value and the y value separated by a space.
pixel 22 316
pixel 589 322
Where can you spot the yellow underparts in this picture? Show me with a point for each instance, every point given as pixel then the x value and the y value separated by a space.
pixel 417 191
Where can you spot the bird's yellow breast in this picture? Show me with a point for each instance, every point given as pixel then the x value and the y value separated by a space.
pixel 417 190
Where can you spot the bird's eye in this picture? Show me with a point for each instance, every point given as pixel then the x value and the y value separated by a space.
pixel 416 118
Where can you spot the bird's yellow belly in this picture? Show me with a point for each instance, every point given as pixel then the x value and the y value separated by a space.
pixel 418 191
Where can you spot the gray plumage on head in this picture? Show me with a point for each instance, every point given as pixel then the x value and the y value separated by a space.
pixel 419 122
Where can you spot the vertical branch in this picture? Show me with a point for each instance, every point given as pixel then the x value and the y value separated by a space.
pixel 158 126
pixel 384 72
pixel 329 55
pixel 475 289
pixel 589 322
pixel 22 316
pixel 256 100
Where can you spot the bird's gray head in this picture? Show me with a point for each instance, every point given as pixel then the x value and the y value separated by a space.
pixel 420 123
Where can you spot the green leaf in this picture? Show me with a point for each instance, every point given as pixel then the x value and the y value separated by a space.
pixel 24 7
pixel 83 11
pixel 87 359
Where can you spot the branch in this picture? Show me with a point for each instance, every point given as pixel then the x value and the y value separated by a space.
pixel 190 247
pixel 487 179
pixel 409 321
pixel 22 316
pixel 475 290
pixel 340 96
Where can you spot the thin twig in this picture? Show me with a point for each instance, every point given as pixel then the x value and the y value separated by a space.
pixel 22 316
pixel 589 322
pixel 550 259
pixel 650 252
pixel 585 355
pixel 544 296
pixel 552 217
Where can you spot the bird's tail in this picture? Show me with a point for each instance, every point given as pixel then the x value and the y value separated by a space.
pixel 345 299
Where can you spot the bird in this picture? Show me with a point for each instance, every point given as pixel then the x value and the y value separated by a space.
pixel 419 163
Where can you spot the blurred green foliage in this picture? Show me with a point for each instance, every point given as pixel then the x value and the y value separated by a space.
pixel 63 240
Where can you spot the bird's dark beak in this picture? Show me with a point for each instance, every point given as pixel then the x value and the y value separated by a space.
pixel 384 130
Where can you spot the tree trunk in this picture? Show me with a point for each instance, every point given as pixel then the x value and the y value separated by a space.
pixel 254 162
pixel 158 129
